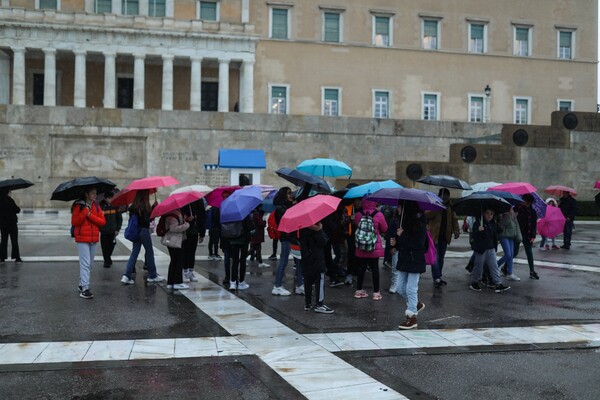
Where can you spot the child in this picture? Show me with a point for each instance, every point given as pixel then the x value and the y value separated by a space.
pixel 258 237
pixel 312 242
pixel 543 246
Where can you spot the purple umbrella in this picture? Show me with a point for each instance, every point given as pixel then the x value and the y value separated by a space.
pixel 539 205
pixel 391 196
pixel 240 204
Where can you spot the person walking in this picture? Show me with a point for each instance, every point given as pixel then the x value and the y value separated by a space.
pixel 312 242
pixel 544 243
pixel 527 218
pixel 174 238
pixel 195 216
pixel 509 236
pixel 86 218
pixel 110 231
pixel 9 227
pixel 568 206
pixel 283 200
pixel 142 209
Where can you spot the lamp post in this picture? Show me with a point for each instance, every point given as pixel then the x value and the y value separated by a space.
pixel 488 92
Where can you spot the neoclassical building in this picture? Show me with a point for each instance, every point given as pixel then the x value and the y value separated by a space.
pixel 469 60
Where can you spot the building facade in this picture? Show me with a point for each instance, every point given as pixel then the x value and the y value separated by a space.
pixel 467 60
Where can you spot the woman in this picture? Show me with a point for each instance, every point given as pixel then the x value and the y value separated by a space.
pixel 173 239
pixel 238 251
pixel 142 209
pixel 283 200
pixel 8 227
pixel 509 236
pixel 195 215
pixel 86 218
pixel 410 240
pixel 391 232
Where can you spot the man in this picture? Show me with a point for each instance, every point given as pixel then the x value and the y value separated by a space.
pixel 442 226
pixel 568 206
pixel 527 218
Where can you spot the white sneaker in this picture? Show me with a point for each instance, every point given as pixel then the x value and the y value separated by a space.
pixel 169 286
pixel 280 291
pixel 186 277
pixel 513 277
pixel 243 285
pixel 126 281
pixel 232 286
pixel 264 265
pixel 211 258
pixel 299 289
pixel 158 278
pixel 191 276
pixel 180 286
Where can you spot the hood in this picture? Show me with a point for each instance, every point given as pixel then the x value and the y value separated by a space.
pixel 368 205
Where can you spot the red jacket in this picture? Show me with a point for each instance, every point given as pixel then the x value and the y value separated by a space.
pixel 87 228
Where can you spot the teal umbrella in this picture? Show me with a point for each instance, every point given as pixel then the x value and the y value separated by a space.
pixel 325 167
pixel 370 188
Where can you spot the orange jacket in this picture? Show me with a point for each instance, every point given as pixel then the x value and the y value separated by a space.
pixel 87 228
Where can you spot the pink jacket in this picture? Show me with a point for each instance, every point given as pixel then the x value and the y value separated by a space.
pixel 380 229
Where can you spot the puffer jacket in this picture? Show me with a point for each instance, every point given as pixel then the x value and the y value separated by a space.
pixel 380 229
pixel 87 228
pixel 176 233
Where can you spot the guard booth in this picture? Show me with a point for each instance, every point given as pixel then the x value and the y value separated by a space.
pixel 245 165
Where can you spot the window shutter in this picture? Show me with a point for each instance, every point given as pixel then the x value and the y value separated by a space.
pixel 103 6
pixel 430 28
pixel 331 94
pixel 477 31
pixel 157 8
pixel 332 27
pixel 280 23
pixel 278 92
pixel 522 34
pixel 208 10
pixel 565 39
pixel 48 4
pixel 382 26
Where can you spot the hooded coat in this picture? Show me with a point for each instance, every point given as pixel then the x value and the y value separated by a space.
pixel 87 228
pixel 381 228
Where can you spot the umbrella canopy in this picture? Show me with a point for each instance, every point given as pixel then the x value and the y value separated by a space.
pixel 14 184
pixel 553 223
pixel 152 182
pixel 476 203
pixel 325 167
pixel 425 200
pixel 71 190
pixel 539 205
pixel 175 202
pixel 370 188
pixel 515 188
pixel 193 188
pixel 126 197
pixel 558 190
pixel 479 187
pixel 446 181
pixel 267 203
pixel 513 199
pixel 300 178
pixel 308 212
pixel 597 185
pixel 215 198
pixel 240 204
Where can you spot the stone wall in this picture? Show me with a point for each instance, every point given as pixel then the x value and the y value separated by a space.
pixel 48 145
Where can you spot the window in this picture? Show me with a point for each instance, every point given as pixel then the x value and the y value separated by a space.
pixel 280 27
pixel 130 7
pixel 381 31
pixel 49 4
pixel 331 102
pixel 430 106
pixel 208 11
pixel 430 34
pixel 565 105
pixel 278 100
pixel 522 111
pixel 522 42
pixel 381 104
pixel 103 6
pixel 476 108
pixel 477 38
pixel 331 27
pixel 157 8
pixel 565 45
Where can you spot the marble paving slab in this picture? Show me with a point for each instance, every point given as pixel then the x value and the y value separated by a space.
pixel 57 352
pixel 108 350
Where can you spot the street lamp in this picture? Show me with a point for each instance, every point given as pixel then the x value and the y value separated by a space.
pixel 487 91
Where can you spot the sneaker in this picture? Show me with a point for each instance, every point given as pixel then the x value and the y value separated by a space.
pixel 273 257
pixel 513 277
pixel 157 278
pixel 410 323
pixel 18 261
pixel 501 288
pixel 335 283
pixel 307 307
pixel 544 248
pixel 180 286
pixel 443 282
pixel 243 285
pixel 533 275
pixel 185 276
pixel 191 276
pixel 86 294
pixel 437 283
pixel 555 247
pixel 420 307
pixel 126 281
pixel 565 247
pixel 280 291
pixel 263 265
pixel 323 309
pixel 547 247
pixel 299 289
pixel 377 296
pixel 249 258
pixel 218 257
pixel 169 286
pixel 106 265
pixel 348 280
pixel 475 286
pixel 361 294
pixel 211 258
pixel 232 286
pixel 392 289
pixel 387 264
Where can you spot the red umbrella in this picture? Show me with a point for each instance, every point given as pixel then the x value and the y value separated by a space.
pixel 308 212
pixel 175 202
pixel 553 222
pixel 152 182
pixel 515 188
pixel 215 198
pixel 125 197
pixel 557 190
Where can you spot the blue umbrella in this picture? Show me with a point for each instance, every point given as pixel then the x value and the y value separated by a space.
pixel 513 199
pixel 267 203
pixel 240 204
pixel 325 167
pixel 370 188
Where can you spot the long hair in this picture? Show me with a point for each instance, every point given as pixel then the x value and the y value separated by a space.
pixel 413 216
pixel 281 196
pixel 141 202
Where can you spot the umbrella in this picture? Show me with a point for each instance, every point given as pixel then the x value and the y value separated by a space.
pixel 552 224
pixel 126 197
pixel 370 188
pixel 325 167
pixel 14 184
pixel 557 190
pixel 175 202
pixel 515 188
pixel 446 181
pixel 152 182
pixel 476 203
pixel 308 212
pixel 71 190
pixel 240 204
pixel 193 188
pixel 215 198
pixel 597 185
pixel 391 196
pixel 513 199
pixel 479 187
pixel 267 203
pixel 300 178
pixel 539 205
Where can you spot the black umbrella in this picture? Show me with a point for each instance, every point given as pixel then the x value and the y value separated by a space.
pixel 446 181
pixel 300 178
pixel 475 204
pixel 71 190
pixel 14 184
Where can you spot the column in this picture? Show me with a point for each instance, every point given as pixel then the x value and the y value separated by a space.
pixel 247 87
pixel 223 85
pixel 116 6
pixel 138 81
pixel 196 84
pixel 80 79
pixel 143 4
pixel 245 11
pixel 49 77
pixel 18 79
pixel 4 78
pixel 110 80
pixel 169 8
pixel 167 82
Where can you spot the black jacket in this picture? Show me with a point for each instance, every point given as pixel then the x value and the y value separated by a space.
pixel 114 218
pixel 486 239
pixel 527 218
pixel 311 248
pixel 198 225
pixel 8 211
pixel 568 206
pixel 411 246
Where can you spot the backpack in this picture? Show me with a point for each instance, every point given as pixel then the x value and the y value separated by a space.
pixel 365 235
pixel 232 230
pixel 132 232
pixel 272 227
pixel 161 228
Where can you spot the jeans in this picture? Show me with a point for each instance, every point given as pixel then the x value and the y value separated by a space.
pixel 146 241
pixel 86 259
pixel 436 269
pixel 487 257
pixel 283 261
pixel 408 287
pixel 567 233
pixel 528 252
pixel 395 272
pixel 547 240
pixel 508 246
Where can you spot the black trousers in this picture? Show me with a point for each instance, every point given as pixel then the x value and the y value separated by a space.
pixel 190 244
pixel 256 251
pixel 107 242
pixel 175 266
pixel 238 262
pixel 310 280
pixel 362 268
pixel 352 259
pixel 11 231
pixel 213 242
pixel 331 267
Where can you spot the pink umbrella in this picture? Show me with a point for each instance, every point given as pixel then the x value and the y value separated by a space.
pixel 597 185
pixel 553 223
pixel 557 190
pixel 308 212
pixel 515 188
pixel 126 197
pixel 175 202
pixel 152 182
pixel 215 198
